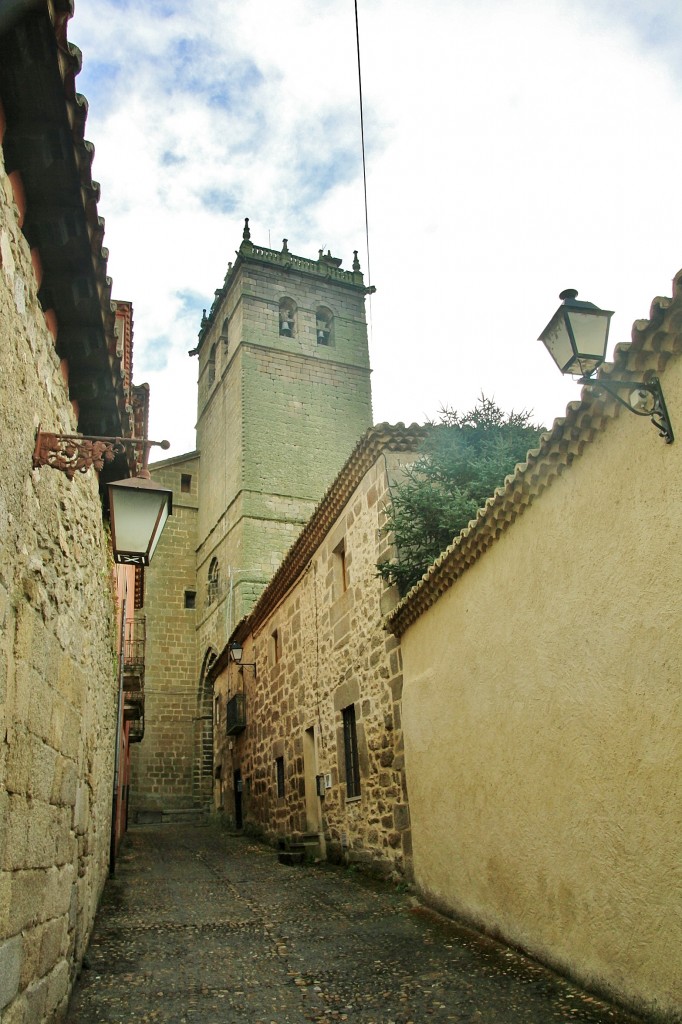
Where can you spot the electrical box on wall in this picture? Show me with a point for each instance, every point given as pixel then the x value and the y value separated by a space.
pixel 328 781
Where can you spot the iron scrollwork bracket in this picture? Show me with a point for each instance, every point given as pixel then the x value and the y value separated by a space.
pixel 644 398
pixel 77 453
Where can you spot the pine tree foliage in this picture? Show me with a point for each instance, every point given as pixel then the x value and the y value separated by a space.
pixel 463 459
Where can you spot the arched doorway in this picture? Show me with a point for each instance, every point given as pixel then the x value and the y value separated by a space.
pixel 202 778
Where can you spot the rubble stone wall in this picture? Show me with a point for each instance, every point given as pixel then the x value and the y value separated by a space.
pixel 58 685
pixel 324 650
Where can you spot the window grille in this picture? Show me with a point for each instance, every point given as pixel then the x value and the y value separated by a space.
pixel 350 748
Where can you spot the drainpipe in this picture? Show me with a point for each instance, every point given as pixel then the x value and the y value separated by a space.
pixel 119 731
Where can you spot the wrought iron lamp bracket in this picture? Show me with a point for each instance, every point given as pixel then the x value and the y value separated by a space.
pixel 656 410
pixel 247 664
pixel 77 453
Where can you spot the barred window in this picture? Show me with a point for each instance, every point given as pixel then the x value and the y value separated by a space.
pixel 350 748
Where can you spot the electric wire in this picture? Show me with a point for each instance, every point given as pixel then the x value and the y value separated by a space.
pixel 362 144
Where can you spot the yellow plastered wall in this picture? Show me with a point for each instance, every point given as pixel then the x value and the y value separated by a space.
pixel 542 710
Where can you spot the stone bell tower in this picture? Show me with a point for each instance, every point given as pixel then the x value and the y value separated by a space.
pixel 284 395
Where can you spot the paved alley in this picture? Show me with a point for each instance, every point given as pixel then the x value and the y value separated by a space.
pixel 204 927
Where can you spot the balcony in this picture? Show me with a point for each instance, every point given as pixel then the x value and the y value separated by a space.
pixel 133 707
pixel 133 654
pixel 236 714
pixel 136 731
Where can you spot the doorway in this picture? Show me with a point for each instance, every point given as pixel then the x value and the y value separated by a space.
pixel 312 800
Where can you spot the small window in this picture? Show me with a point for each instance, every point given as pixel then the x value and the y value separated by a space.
pixel 279 769
pixel 217 710
pixel 340 569
pixel 190 599
pixel 350 749
pixel 275 646
pixel 324 321
pixel 287 318
pixel 213 584
pixel 185 483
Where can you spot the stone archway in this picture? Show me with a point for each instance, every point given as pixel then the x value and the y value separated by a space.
pixel 202 776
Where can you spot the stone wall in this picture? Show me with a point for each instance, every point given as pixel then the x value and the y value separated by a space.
pixel 320 651
pixel 58 684
pixel 164 765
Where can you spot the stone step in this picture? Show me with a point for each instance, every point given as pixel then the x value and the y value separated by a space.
pixel 291 857
pixel 167 816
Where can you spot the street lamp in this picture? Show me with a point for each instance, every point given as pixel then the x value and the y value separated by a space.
pixel 576 339
pixel 236 652
pixel 138 507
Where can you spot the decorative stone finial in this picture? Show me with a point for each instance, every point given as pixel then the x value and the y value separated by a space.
pixel 204 321
pixel 319 254
pixel 285 247
pixel 247 233
pixel 356 261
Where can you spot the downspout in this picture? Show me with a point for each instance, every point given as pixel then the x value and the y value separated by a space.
pixel 119 731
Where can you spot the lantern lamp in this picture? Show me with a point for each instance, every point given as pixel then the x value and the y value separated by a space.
pixel 576 339
pixel 139 509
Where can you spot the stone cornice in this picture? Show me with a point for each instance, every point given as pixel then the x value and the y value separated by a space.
pixel 653 343
pixel 325 267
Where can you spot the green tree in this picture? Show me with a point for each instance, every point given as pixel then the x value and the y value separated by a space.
pixel 463 459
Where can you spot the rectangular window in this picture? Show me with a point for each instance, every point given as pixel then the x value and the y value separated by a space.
pixel 217 710
pixel 190 599
pixel 185 483
pixel 279 768
pixel 350 749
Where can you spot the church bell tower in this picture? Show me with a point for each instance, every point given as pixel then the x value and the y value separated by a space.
pixel 284 396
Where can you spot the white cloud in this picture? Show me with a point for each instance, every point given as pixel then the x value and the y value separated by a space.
pixel 514 149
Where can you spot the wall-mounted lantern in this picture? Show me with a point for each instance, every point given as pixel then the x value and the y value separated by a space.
pixel 138 507
pixel 236 653
pixel 576 339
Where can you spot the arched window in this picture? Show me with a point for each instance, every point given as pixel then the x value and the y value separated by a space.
pixel 224 335
pixel 213 584
pixel 287 318
pixel 211 366
pixel 324 322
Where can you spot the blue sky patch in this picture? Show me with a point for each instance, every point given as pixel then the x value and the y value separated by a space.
pixel 218 200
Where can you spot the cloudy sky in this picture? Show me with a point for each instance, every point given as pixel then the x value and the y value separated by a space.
pixel 514 148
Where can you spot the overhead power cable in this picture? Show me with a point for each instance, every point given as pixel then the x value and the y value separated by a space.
pixel 362 141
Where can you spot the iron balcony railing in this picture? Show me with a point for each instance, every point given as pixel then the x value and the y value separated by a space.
pixel 134 653
pixel 236 714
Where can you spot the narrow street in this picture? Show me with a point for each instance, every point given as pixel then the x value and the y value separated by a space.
pixel 203 926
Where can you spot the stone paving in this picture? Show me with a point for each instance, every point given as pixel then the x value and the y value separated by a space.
pixel 204 927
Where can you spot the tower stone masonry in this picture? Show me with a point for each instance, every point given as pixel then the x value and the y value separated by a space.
pixel 284 395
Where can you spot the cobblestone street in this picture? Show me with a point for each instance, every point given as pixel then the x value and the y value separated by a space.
pixel 203 926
